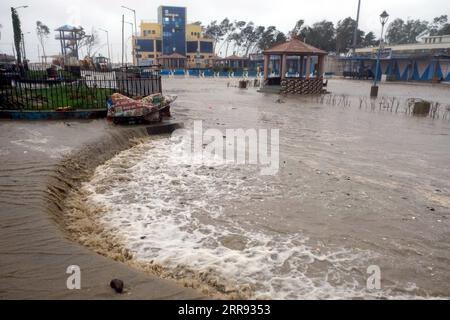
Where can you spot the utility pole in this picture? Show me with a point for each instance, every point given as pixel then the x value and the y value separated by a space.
pixel 107 42
pixel 135 34
pixel 355 34
pixel 24 54
pixel 133 47
pixel 39 54
pixel 123 34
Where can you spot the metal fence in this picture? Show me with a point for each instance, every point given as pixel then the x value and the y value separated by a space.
pixel 65 90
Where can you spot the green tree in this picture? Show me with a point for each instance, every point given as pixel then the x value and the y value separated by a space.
pixel 295 33
pixel 250 36
pixel 17 34
pixel 214 31
pixel 42 32
pixel 344 35
pixel 270 37
pixel 259 31
pixel 445 30
pixel 228 29
pixel 321 35
pixel 90 42
pixel 370 40
pixel 401 32
pixel 236 36
pixel 440 26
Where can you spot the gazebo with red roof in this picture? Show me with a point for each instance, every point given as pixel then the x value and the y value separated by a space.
pixel 173 61
pixel 234 61
pixel 295 48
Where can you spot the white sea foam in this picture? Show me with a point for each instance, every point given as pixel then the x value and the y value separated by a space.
pixel 176 216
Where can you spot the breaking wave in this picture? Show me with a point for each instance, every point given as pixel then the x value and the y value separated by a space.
pixel 186 222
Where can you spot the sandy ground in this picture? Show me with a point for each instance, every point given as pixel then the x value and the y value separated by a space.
pixel 34 251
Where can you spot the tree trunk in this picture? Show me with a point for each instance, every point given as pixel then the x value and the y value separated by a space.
pixel 226 50
pixel 45 55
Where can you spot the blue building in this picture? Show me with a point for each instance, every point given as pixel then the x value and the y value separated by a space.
pixel 173 22
pixel 171 41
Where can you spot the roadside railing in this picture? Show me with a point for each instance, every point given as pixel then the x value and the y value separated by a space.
pixel 90 90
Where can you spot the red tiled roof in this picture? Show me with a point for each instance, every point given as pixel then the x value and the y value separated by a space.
pixel 295 46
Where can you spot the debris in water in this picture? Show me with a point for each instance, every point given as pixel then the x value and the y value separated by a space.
pixel 421 108
pixel 117 285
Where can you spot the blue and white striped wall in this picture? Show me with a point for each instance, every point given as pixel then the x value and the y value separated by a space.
pixel 414 70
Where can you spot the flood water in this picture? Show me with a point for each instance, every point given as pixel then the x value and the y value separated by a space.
pixel 357 187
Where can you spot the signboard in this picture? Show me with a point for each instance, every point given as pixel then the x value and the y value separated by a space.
pixel 146 62
pixel 384 53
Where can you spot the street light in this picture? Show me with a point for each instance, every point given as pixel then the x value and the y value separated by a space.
pixel 20 7
pixel 107 41
pixel 135 23
pixel 24 54
pixel 135 31
pixel 384 17
pixel 134 47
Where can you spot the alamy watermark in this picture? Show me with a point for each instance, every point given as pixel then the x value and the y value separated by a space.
pixel 374 279
pixel 211 147
pixel 73 282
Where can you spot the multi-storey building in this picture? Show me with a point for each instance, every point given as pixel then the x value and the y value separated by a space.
pixel 172 42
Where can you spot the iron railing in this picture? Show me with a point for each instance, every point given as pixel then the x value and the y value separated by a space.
pixel 65 90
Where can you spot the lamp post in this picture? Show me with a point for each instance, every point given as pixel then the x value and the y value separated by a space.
pixel 107 41
pixel 374 90
pixel 131 24
pixel 24 53
pixel 355 33
pixel 135 32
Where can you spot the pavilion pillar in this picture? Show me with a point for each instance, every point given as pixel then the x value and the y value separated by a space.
pixel 283 66
pixel 308 67
pixel 320 66
pixel 266 66
pixel 302 62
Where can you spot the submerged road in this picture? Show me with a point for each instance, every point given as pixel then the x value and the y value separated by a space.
pixel 35 251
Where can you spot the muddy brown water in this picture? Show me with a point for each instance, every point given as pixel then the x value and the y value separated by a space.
pixel 40 162
pixel 357 187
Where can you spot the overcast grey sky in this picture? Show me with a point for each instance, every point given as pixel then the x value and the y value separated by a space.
pixel 281 13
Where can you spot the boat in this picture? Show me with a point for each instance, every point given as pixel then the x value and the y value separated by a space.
pixel 150 109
